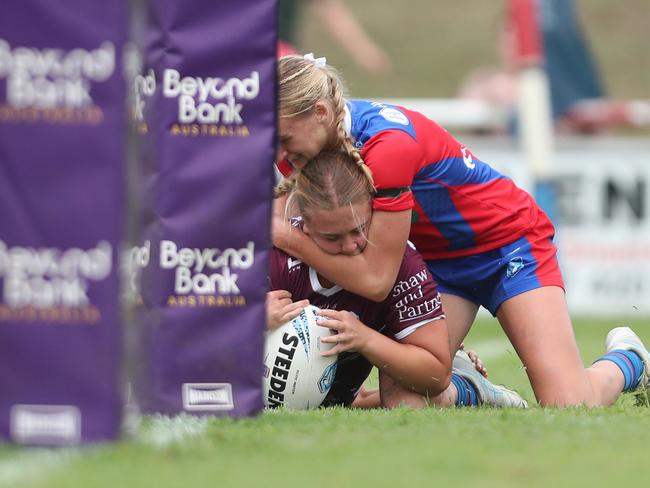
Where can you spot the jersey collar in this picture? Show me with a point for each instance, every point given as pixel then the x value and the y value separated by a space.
pixel 319 288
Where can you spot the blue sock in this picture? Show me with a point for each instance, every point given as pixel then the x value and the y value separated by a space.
pixel 630 365
pixel 467 394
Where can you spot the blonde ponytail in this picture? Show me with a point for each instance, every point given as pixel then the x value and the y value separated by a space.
pixel 302 83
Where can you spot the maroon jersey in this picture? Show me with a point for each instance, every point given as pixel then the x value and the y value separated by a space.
pixel 413 302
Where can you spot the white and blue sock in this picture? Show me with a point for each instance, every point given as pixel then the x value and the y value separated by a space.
pixel 630 365
pixel 467 394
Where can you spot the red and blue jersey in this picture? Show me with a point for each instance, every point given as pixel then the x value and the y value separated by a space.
pixel 461 205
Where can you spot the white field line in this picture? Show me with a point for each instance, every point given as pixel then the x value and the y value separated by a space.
pixel 33 464
pixel 164 431
pixel 30 465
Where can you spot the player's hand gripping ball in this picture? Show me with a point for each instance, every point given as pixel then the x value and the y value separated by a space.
pixel 296 376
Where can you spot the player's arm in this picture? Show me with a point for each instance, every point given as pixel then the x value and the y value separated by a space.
pixel 280 307
pixel 350 34
pixel 420 362
pixel 394 158
pixel 418 358
pixel 370 274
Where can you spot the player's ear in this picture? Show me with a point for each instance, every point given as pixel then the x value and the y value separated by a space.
pixel 322 111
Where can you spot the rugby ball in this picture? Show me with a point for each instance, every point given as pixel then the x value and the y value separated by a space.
pixel 296 376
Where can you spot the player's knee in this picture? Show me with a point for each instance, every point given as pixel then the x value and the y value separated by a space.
pixel 404 398
pixel 394 395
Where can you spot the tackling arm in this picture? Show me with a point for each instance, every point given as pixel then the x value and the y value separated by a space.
pixel 370 274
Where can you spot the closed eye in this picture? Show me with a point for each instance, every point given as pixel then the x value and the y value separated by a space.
pixel 361 230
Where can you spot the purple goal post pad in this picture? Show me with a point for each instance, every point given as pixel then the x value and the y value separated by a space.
pixel 204 105
pixel 62 128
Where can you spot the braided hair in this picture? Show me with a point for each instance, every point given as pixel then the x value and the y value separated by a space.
pixel 329 181
pixel 302 83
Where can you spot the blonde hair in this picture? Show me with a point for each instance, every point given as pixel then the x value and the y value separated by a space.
pixel 301 83
pixel 329 181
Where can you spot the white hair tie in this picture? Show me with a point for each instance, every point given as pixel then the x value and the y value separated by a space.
pixel 319 62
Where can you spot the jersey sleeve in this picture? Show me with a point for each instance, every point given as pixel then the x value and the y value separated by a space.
pixel 394 157
pixel 414 300
pixel 278 275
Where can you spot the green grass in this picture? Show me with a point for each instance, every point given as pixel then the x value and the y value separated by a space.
pixel 404 448
pixel 433 45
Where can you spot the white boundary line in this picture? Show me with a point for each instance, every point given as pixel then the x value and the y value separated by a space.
pixel 31 465
pixel 164 431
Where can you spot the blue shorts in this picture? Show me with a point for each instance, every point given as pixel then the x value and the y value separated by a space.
pixel 492 277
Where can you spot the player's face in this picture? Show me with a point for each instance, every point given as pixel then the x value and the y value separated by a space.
pixel 302 137
pixel 340 231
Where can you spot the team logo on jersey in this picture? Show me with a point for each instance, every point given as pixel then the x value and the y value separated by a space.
pixel 467 158
pixel 514 266
pixel 293 262
pixel 394 115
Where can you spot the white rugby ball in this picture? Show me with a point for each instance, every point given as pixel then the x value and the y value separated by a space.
pixel 296 376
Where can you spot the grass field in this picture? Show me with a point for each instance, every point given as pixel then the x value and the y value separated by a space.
pixel 337 447
pixel 433 45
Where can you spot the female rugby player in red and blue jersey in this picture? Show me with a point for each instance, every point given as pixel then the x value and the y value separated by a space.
pixel 486 242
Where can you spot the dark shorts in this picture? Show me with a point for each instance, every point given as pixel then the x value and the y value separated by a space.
pixel 352 369
pixel 492 277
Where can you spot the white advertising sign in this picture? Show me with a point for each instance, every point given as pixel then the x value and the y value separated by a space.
pixel 602 218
